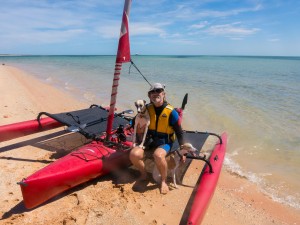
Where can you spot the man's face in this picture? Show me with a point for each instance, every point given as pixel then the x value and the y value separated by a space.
pixel 157 97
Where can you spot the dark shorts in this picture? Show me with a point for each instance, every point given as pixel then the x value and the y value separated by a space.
pixel 152 144
pixel 167 147
pixel 149 151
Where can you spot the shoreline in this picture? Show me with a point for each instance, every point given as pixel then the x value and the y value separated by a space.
pixel 236 200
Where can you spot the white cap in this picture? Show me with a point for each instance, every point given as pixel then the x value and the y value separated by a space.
pixel 157 86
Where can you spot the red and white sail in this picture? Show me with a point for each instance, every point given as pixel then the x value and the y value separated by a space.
pixel 123 55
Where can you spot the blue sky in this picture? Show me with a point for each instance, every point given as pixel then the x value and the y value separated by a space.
pixel 157 27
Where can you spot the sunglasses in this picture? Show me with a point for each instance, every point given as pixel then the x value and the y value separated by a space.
pixel 157 91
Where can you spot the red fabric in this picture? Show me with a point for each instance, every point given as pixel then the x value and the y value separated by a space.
pixel 123 54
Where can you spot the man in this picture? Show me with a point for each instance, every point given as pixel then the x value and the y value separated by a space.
pixel 164 124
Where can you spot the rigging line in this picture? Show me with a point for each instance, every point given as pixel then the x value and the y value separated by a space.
pixel 132 63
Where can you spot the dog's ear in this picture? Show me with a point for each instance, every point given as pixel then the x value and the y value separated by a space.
pixel 145 102
pixel 135 103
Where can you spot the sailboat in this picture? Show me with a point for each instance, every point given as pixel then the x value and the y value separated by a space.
pixel 110 133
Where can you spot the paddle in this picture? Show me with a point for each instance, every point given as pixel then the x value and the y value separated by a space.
pixel 184 101
pixel 180 110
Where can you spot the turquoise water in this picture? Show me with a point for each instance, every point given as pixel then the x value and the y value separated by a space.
pixel 256 100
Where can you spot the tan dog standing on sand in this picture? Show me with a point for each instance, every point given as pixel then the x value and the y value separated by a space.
pixel 175 158
pixel 142 121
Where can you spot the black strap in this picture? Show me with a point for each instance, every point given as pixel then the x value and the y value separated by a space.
pixel 132 63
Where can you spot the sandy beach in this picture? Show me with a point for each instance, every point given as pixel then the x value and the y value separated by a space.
pixel 107 200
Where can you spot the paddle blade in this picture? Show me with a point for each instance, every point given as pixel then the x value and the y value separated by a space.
pixel 184 101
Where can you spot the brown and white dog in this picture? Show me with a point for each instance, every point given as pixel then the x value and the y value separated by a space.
pixel 174 160
pixel 141 124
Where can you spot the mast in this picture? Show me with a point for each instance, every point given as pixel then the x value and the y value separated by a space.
pixel 123 55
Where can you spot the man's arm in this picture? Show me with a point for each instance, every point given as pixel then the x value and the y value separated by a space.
pixel 175 123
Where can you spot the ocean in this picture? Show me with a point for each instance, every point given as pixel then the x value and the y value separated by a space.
pixel 256 100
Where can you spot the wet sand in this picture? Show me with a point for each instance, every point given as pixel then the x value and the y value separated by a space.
pixel 107 200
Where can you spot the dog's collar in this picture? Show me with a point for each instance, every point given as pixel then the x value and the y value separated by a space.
pixel 180 156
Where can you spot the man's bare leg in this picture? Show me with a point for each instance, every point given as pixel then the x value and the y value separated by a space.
pixel 136 157
pixel 162 166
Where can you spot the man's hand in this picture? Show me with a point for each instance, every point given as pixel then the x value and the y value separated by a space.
pixel 185 149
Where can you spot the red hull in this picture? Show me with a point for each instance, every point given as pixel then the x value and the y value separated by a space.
pixel 88 162
pixel 207 184
pixel 15 130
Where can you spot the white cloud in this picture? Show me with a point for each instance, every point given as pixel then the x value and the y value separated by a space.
pixel 112 29
pixel 148 29
pixel 184 41
pixel 233 31
pixel 199 25
pixel 109 30
pixel 32 37
pixel 195 11
pixel 274 40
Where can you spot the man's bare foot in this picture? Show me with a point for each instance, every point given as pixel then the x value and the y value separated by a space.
pixel 164 189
